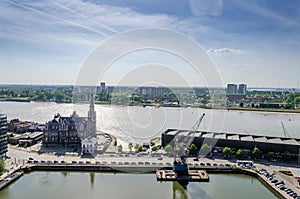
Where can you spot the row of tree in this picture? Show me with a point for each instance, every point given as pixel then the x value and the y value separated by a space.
pixel 138 148
pixel 43 96
pixel 228 152
pixel 2 166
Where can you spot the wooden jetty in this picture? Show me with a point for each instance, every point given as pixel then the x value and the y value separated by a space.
pixel 192 175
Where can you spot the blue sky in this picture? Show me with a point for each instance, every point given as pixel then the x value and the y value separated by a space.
pixel 254 42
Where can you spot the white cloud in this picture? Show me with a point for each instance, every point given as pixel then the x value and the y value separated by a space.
pixel 206 7
pixel 79 22
pixel 225 51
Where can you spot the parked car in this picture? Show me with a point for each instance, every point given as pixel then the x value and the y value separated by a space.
pixel 274 181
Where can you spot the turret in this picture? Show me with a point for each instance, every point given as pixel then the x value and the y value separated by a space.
pixel 92 118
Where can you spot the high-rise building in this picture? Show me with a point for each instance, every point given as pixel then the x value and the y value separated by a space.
pixel 243 89
pixel 231 89
pixel 3 134
pixel 102 87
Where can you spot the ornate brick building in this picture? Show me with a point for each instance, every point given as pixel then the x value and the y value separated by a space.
pixel 70 131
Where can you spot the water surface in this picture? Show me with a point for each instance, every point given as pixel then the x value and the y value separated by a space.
pixel 77 185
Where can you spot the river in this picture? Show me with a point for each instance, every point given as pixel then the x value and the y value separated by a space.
pixel 138 124
pixel 78 185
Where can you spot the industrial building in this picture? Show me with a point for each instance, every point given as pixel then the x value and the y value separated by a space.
pixel 237 141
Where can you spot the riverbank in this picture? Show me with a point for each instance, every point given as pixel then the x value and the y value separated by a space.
pixel 22 100
pixel 259 109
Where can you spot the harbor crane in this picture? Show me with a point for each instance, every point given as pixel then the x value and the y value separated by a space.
pixel 181 144
pixel 286 134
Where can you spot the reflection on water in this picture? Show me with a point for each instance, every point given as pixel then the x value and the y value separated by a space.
pixel 92 178
pixel 93 185
pixel 180 190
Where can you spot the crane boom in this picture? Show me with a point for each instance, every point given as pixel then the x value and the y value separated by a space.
pixel 286 134
pixel 182 142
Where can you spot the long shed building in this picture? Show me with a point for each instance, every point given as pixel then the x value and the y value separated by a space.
pixel 234 140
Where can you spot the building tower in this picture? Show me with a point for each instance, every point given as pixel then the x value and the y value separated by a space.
pixel 92 118
pixel 242 89
pixel 3 134
pixel 231 89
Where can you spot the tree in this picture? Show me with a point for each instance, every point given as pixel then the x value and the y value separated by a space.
pixel 139 149
pixel 2 166
pixel 270 155
pixel 136 146
pixel 205 149
pixel 287 155
pixel 168 148
pixel 130 146
pixel 120 148
pixel 227 152
pixel 240 153
pixel 59 96
pixel 256 152
pixel 154 148
pixel 193 149
pixel 297 100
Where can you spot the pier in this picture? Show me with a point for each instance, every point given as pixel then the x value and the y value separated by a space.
pixel 192 175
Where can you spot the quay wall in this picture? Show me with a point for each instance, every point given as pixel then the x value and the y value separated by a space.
pixel 142 169
pixel 10 179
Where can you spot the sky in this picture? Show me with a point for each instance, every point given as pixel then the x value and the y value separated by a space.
pixel 253 42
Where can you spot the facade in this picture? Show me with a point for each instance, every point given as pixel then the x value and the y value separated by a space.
pixel 29 138
pixel 231 89
pixel 153 91
pixel 242 89
pixel 89 145
pixel 3 134
pixel 70 131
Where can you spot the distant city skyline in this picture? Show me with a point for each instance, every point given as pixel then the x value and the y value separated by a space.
pixel 252 42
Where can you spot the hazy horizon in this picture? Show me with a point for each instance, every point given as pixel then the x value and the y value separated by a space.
pixel 132 86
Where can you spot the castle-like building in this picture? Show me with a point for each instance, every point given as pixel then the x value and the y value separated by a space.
pixel 72 130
